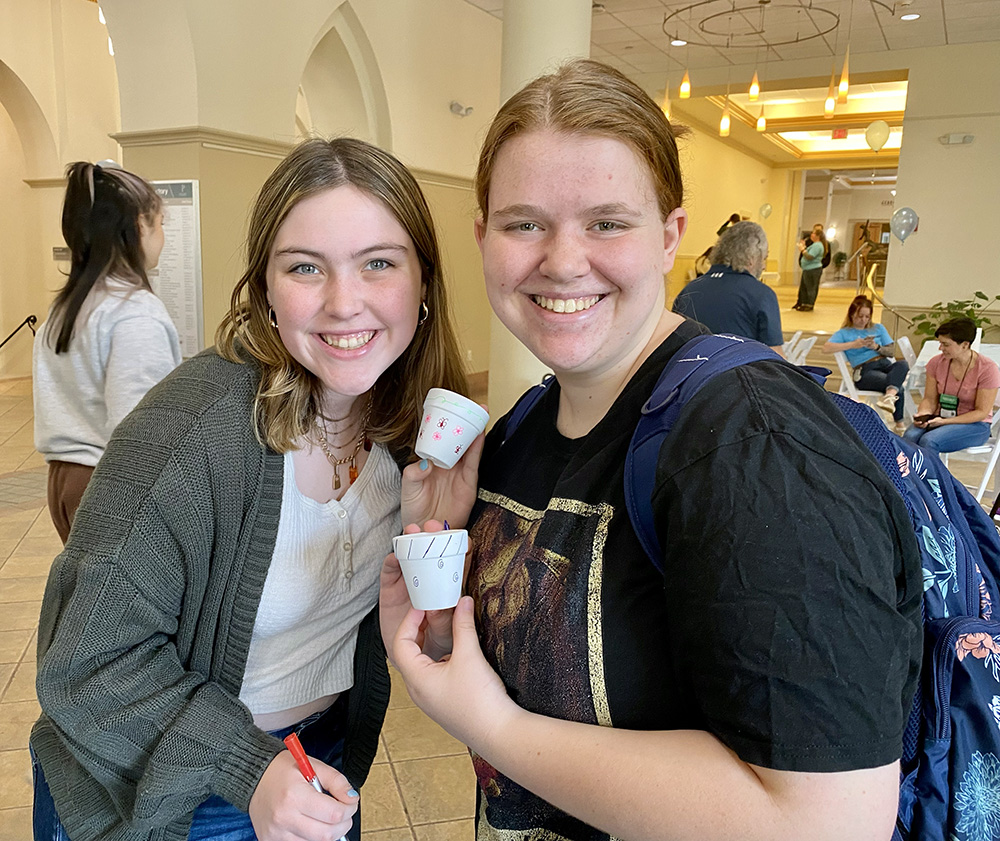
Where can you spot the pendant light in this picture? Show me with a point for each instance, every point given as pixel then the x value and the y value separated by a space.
pixel 724 122
pixel 831 97
pixel 754 92
pixel 761 121
pixel 666 100
pixel 844 83
pixel 685 92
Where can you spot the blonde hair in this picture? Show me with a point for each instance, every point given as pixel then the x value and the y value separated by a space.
pixel 289 396
pixel 589 98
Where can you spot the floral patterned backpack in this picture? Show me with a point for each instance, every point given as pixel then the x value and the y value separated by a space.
pixel 950 780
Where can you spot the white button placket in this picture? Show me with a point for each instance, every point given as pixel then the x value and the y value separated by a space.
pixel 348 546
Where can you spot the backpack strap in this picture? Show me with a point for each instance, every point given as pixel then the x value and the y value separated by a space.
pixel 525 403
pixel 688 370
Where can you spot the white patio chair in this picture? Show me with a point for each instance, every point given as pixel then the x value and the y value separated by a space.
pixel 847 385
pixel 801 350
pixel 909 401
pixel 988 452
pixel 787 346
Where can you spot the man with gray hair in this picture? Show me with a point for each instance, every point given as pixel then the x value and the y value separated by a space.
pixel 729 297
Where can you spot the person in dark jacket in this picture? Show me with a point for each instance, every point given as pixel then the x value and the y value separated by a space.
pixel 729 297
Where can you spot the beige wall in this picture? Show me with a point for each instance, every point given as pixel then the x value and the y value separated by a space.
pixel 454 207
pixel 953 189
pixel 720 180
pixel 53 110
pixel 228 182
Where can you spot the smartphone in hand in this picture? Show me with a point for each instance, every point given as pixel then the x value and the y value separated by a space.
pixel 923 418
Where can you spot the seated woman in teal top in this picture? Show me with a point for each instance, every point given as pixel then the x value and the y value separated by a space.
pixel 868 348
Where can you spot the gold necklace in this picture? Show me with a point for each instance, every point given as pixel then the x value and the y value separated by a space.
pixel 352 459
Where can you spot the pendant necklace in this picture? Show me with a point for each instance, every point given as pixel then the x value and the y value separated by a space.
pixel 350 460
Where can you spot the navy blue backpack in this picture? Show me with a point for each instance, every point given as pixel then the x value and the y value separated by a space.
pixel 950 780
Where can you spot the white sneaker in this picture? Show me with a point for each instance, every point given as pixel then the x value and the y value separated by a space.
pixel 887 402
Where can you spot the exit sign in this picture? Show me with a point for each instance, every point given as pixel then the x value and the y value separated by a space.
pixel 839 133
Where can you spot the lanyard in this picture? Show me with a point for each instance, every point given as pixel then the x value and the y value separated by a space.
pixel 972 356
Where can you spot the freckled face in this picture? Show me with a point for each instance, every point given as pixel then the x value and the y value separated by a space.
pixel 574 249
pixel 345 284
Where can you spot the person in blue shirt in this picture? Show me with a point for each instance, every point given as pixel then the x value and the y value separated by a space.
pixel 729 297
pixel 869 349
pixel 811 253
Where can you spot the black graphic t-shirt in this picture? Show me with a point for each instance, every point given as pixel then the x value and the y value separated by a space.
pixel 785 623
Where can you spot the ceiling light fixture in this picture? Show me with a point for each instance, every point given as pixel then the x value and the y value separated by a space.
pixel 685 92
pixel 111 47
pixel 100 15
pixel 678 42
pixel 831 98
pixel 754 93
pixel 724 122
pixel 666 100
pixel 761 120
pixel 910 16
pixel 844 83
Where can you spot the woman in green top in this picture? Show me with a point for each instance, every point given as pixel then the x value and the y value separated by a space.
pixel 812 267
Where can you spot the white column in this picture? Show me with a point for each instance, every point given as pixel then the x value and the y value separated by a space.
pixel 537 38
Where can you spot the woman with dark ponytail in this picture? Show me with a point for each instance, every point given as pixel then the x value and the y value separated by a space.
pixel 108 338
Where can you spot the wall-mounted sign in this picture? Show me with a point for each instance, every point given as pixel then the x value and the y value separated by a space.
pixel 177 278
pixel 60 253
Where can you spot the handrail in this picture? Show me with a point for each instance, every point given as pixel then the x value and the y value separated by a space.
pixel 31 321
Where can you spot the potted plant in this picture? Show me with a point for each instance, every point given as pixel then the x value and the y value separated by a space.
pixel 926 323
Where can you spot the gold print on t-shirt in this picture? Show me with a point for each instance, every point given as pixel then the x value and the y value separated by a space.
pixel 527 592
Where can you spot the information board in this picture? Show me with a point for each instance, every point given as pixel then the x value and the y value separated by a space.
pixel 177 278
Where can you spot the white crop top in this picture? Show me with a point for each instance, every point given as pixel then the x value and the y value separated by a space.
pixel 323 580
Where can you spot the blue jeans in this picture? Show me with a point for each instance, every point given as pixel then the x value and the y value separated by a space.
pixel 950 438
pixel 322 736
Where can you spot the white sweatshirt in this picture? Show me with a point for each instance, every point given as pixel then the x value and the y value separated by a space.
pixel 124 343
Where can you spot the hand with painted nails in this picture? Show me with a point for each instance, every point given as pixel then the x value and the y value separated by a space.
pixel 430 492
pixel 434 636
pixel 285 807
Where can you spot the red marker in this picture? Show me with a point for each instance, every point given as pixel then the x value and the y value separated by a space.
pixel 305 766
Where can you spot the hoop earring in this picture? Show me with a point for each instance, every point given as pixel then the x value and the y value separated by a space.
pixel 424 313
pixel 271 318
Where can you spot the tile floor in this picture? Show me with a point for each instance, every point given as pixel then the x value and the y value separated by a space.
pixel 421 787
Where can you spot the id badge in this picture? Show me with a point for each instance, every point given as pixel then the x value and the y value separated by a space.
pixel 948 404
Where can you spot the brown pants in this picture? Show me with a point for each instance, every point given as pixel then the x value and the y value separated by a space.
pixel 67 482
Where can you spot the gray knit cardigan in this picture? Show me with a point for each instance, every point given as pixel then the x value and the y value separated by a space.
pixel 148 613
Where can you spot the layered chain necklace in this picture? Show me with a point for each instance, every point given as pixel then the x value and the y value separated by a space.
pixel 350 460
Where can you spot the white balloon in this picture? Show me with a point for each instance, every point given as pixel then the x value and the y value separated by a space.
pixel 903 223
pixel 765 210
pixel 877 134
